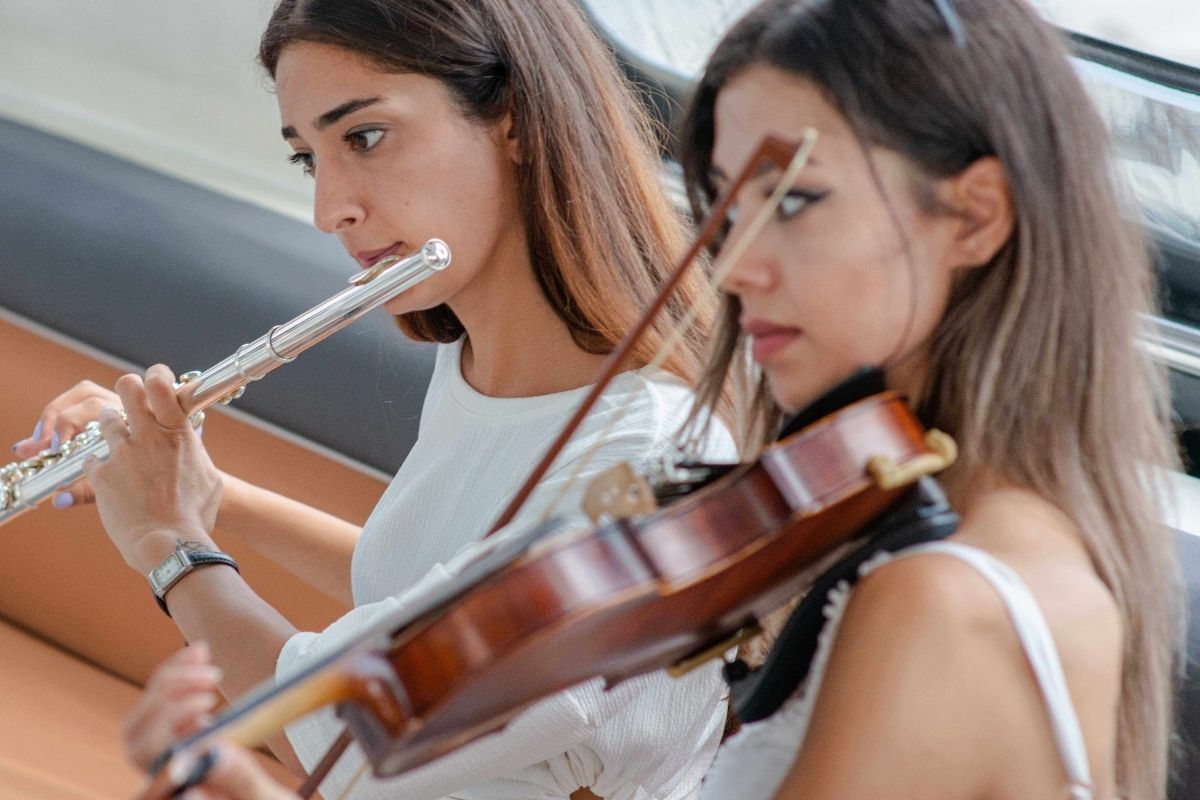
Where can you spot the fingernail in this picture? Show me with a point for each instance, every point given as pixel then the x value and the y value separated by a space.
pixel 190 771
pixel 37 432
pixel 54 441
pixel 181 766
pixel 63 500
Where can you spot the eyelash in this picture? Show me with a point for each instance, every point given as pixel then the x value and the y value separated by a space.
pixel 304 161
pixel 357 140
pixel 795 201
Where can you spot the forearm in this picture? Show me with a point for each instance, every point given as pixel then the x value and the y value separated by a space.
pixel 310 543
pixel 244 634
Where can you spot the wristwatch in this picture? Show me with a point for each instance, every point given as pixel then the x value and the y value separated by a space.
pixel 180 563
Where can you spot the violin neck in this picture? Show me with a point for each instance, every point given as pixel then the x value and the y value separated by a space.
pixel 255 726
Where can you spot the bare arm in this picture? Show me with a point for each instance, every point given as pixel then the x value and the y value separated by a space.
pixel 313 545
pixel 158 491
pixel 244 633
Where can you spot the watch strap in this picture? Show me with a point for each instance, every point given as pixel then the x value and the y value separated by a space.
pixel 194 559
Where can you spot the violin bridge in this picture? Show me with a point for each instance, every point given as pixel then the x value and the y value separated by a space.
pixel 618 493
pixel 715 652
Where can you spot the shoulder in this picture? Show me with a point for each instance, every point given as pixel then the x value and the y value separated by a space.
pixel 913 602
pixel 1049 554
pixel 924 652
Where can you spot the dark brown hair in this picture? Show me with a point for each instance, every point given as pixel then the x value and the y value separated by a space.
pixel 601 232
pixel 1035 367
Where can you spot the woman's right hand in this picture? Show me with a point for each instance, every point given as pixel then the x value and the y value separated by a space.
pixel 178 700
pixel 62 418
pixel 233 775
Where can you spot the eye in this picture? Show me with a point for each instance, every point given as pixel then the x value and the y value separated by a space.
pixel 795 201
pixel 305 160
pixel 365 139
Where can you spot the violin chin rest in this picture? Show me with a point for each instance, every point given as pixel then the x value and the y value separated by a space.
pixel 889 475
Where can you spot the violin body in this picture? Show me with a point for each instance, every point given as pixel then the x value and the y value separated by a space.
pixel 635 595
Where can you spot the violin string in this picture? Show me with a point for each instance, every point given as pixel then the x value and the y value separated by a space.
pixel 362 770
pixel 724 265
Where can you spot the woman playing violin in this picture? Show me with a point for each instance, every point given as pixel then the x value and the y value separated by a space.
pixel 957 224
pixel 504 128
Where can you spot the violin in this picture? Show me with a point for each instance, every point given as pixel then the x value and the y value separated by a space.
pixel 538 611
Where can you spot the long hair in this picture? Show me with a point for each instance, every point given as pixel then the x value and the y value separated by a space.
pixel 600 231
pixel 1035 367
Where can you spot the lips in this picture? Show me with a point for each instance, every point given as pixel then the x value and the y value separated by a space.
pixel 366 258
pixel 767 338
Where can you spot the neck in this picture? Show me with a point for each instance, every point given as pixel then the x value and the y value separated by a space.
pixel 517 346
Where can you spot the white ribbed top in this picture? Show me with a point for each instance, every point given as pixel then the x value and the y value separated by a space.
pixel 651 737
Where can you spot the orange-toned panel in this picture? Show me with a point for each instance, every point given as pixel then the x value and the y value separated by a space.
pixel 61 578
pixel 60 734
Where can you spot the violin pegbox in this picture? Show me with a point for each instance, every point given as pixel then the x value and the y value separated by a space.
pixel 618 492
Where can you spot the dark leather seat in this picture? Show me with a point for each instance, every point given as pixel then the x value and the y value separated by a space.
pixel 150 269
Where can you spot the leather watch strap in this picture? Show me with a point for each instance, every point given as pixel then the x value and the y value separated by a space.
pixel 196 559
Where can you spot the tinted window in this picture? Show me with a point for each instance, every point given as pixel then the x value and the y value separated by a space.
pixel 1165 28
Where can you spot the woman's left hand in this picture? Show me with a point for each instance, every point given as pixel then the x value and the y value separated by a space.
pixel 158 485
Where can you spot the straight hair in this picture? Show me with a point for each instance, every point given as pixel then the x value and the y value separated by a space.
pixel 1035 367
pixel 601 233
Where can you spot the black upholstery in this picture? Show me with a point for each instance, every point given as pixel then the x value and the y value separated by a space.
pixel 1186 779
pixel 150 268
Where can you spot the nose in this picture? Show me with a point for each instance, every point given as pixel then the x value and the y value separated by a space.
pixel 746 266
pixel 337 202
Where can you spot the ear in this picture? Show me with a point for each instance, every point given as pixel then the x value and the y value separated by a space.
pixel 982 200
pixel 506 137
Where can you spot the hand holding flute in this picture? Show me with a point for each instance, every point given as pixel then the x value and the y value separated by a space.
pixel 25 484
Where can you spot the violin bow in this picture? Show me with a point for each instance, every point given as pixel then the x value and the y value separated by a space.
pixel 791 158
pixel 772 151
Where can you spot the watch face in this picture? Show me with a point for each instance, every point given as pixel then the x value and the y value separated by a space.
pixel 165 572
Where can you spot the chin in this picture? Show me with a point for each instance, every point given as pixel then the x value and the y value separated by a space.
pixel 794 396
pixel 414 300
pixel 789 401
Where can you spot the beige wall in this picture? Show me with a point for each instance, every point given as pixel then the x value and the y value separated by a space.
pixel 171 85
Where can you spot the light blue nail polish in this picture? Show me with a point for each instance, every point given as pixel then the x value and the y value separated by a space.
pixel 63 500
pixel 37 432
pixel 54 442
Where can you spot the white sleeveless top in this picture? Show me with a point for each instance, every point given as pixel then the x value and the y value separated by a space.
pixel 752 764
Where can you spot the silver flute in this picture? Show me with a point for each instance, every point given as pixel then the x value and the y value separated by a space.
pixel 25 484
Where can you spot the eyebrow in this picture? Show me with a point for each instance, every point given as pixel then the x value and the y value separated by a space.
pixel 333 115
pixel 716 174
